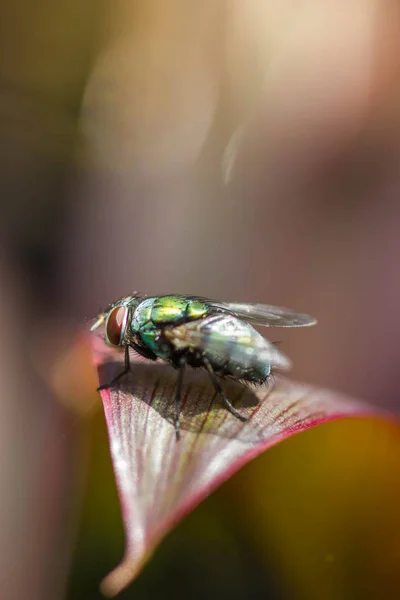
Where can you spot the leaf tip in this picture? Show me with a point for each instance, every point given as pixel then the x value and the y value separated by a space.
pixel 119 578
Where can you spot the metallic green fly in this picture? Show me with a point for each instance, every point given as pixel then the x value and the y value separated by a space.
pixel 195 331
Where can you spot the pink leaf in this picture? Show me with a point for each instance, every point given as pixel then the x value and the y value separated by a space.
pixel 159 479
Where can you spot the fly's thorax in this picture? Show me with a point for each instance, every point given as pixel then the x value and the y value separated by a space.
pixel 152 339
pixel 145 331
pixel 141 315
pixel 196 310
pixel 166 310
pixel 176 309
pixel 154 315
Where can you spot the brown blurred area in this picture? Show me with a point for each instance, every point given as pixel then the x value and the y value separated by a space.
pixel 114 118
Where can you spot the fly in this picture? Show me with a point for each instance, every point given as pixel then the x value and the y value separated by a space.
pixel 196 331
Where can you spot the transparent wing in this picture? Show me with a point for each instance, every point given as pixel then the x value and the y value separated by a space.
pixel 263 314
pixel 271 316
pixel 233 338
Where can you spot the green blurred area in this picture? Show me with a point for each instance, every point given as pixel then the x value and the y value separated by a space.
pixel 47 50
pixel 209 555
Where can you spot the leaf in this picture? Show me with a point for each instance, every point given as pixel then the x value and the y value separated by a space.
pixel 159 479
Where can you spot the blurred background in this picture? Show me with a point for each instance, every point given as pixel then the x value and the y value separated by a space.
pixel 114 122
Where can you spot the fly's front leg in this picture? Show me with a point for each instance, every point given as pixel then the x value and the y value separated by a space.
pixel 178 393
pixel 105 386
pixel 220 393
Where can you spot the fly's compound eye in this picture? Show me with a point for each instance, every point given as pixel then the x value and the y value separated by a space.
pixel 116 324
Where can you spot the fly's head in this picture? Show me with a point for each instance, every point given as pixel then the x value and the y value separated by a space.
pixel 116 318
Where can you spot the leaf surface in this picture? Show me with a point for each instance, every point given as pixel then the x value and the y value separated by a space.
pixel 159 479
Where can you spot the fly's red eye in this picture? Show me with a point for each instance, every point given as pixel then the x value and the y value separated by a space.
pixel 115 325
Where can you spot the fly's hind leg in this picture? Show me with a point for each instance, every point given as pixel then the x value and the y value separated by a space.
pixel 105 386
pixel 220 393
pixel 178 393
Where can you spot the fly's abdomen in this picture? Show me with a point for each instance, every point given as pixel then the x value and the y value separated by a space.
pixel 234 348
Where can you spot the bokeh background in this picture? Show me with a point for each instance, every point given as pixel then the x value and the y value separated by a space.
pixel 114 121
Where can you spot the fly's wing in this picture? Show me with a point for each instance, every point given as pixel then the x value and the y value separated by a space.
pixel 270 316
pixel 263 314
pixel 225 335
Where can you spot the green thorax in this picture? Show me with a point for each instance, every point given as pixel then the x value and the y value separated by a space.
pixel 152 314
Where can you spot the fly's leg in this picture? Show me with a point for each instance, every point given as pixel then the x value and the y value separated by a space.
pixel 105 386
pixel 219 391
pixel 145 352
pixel 142 351
pixel 178 394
